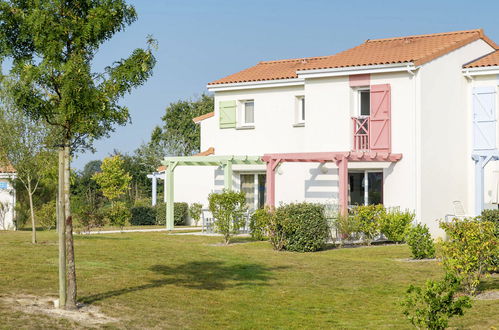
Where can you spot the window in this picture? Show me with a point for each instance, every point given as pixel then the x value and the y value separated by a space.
pixel 300 111
pixel 365 187
pixel 253 186
pixel 364 102
pixel 248 113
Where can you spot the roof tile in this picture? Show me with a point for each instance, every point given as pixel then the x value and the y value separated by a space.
pixel 417 49
pixel 491 59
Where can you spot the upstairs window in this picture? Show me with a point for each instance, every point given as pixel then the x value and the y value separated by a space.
pixel 247 113
pixel 300 111
pixel 364 102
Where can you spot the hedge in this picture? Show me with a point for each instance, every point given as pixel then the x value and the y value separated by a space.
pixel 180 213
pixel 143 216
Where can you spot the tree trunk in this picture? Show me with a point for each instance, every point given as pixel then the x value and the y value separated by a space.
pixel 61 225
pixel 33 226
pixel 71 271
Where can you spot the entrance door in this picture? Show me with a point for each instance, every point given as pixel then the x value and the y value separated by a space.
pixel 253 186
pixel 365 187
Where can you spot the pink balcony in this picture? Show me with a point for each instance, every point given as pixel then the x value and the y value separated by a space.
pixel 361 133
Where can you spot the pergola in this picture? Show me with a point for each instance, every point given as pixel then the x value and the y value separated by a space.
pixel 225 162
pixel 481 159
pixel 341 160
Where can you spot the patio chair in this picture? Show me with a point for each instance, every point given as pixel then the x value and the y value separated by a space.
pixel 459 212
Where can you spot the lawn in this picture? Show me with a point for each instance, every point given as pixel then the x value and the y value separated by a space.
pixel 157 280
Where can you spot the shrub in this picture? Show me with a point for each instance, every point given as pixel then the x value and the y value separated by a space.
pixel 118 214
pixel 259 222
pixel 431 307
pixel 228 210
pixel 46 215
pixel 87 216
pixel 369 219
pixel 275 230
pixel 419 239
pixel 395 223
pixel 347 227
pixel 195 212
pixel 147 202
pixel 470 251
pixel 491 216
pixel 179 213
pixel 304 225
pixel 142 216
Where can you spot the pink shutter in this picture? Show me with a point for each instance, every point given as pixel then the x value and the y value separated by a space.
pixel 380 138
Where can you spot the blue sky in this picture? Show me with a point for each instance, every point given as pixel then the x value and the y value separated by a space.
pixel 203 40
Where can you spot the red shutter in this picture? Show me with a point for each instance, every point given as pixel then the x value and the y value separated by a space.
pixel 380 138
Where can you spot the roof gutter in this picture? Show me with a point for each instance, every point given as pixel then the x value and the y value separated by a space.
pixel 256 84
pixel 354 70
pixel 480 71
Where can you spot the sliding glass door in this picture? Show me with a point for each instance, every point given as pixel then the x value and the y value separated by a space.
pixel 365 187
pixel 253 186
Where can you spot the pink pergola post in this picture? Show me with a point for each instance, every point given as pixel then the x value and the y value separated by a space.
pixel 270 183
pixel 343 184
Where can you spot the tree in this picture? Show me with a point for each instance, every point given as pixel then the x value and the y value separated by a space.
pixel 113 179
pixel 180 136
pixel 52 44
pixel 23 146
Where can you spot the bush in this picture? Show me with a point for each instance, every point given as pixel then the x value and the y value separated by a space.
pixel 87 216
pixel 419 239
pixel 259 222
pixel 228 210
pixel 432 306
pixel 46 215
pixel 118 214
pixel 491 216
pixel 179 213
pixel 470 251
pixel 347 227
pixel 395 223
pixel 369 219
pixel 143 216
pixel 195 212
pixel 304 225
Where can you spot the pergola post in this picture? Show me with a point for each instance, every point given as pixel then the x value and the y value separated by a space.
pixel 228 175
pixel 154 187
pixel 169 195
pixel 270 181
pixel 480 162
pixel 343 185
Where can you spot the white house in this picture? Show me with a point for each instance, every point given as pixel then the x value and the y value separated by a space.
pixel 389 121
pixel 7 198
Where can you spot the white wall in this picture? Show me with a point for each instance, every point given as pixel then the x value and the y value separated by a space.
pixel 445 135
pixel 7 196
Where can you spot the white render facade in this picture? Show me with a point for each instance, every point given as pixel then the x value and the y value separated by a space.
pixel 430 126
pixel 8 199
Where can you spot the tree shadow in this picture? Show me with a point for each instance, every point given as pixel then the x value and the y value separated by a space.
pixel 199 275
pixel 489 283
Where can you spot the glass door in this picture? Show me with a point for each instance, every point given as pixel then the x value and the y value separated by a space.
pixel 365 187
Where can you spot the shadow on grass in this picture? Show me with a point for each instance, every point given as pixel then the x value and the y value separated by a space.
pixel 200 275
pixel 490 283
pixel 99 237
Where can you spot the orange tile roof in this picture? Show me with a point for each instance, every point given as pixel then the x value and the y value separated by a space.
pixel 203 117
pixel 207 152
pixel 417 49
pixel 7 169
pixel 491 59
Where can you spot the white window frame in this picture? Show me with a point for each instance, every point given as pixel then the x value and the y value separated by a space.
pixel 242 114
pixel 357 101
pixel 299 120
pixel 366 182
pixel 255 188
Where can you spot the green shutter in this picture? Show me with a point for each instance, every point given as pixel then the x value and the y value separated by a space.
pixel 227 114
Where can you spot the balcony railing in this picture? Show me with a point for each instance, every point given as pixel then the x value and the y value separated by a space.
pixel 361 133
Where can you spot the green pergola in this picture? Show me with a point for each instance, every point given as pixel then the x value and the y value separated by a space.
pixel 225 162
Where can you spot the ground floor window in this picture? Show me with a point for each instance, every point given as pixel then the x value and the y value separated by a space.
pixel 253 185
pixel 365 187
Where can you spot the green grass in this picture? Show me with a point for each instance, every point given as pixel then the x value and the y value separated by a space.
pixel 156 280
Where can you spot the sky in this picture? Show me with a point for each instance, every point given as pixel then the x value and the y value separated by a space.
pixel 203 40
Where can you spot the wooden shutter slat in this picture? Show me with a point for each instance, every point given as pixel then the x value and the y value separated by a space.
pixel 484 118
pixel 227 114
pixel 380 118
